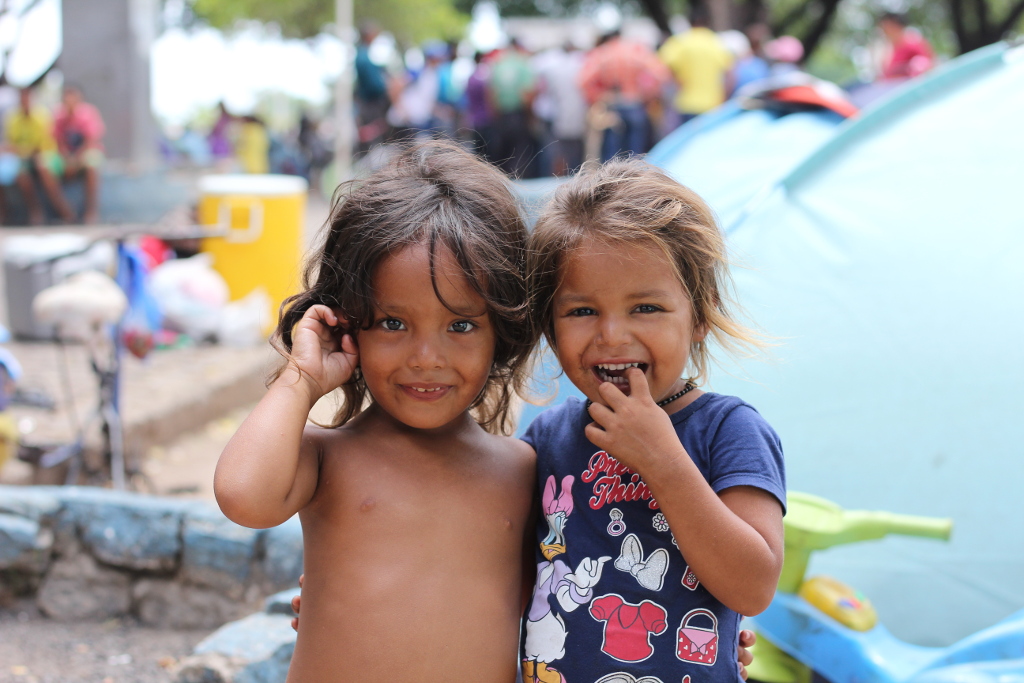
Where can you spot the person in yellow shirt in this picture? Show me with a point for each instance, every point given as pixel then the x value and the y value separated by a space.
pixel 699 61
pixel 29 135
pixel 253 146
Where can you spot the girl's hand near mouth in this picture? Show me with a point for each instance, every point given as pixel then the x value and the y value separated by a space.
pixel 633 429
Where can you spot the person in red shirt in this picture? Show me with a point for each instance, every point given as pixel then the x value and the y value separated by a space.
pixel 911 54
pixel 624 76
pixel 78 129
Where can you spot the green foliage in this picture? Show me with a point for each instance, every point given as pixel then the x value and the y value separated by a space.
pixel 297 18
pixel 551 8
pixel 411 21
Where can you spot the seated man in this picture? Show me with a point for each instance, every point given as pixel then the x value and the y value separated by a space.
pixel 78 128
pixel 29 135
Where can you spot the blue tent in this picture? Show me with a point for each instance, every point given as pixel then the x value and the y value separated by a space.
pixel 728 155
pixel 888 267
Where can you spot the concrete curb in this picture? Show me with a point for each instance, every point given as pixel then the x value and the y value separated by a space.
pixel 89 554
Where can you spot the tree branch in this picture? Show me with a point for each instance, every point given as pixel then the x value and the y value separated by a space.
pixel 1011 19
pixel 956 14
pixel 820 28
pixel 783 25
pixel 981 11
pixel 656 11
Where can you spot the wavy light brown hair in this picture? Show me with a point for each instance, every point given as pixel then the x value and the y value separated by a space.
pixel 628 201
pixel 439 195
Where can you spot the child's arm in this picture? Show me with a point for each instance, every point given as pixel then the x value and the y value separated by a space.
pixel 269 469
pixel 733 541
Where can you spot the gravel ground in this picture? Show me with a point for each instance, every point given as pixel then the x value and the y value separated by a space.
pixel 34 649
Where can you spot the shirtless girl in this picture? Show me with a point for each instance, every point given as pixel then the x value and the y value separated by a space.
pixel 413 507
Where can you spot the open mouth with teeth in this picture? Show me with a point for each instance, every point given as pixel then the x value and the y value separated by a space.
pixel 430 392
pixel 616 372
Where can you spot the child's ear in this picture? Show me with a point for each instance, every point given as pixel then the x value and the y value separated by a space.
pixel 700 332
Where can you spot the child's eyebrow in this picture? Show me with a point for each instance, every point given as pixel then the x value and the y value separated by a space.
pixel 387 308
pixel 649 294
pixel 571 298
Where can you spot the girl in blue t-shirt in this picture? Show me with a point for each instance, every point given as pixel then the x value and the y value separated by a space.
pixel 661 504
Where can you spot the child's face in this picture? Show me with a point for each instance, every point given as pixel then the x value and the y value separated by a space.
pixel 622 304
pixel 422 363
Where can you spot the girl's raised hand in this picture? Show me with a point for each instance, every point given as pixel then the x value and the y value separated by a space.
pixel 632 429
pixel 324 353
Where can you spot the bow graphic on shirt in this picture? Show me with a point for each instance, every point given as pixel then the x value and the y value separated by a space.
pixel 650 573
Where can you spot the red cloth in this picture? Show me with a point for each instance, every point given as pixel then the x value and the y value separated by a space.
pixel 912 56
pixel 627 633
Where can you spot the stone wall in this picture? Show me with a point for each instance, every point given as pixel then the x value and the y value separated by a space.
pixel 91 554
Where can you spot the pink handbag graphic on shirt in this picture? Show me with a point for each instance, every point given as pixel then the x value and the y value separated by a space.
pixel 698 644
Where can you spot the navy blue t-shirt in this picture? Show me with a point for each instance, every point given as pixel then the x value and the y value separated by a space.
pixel 615 600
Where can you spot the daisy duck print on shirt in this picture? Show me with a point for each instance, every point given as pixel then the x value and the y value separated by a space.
pixel 615 601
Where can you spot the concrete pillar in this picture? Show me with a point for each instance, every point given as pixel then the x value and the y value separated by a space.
pixel 106 52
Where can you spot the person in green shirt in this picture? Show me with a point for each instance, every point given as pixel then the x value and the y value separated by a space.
pixel 512 88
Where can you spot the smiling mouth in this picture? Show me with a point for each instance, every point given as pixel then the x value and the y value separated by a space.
pixel 428 393
pixel 616 372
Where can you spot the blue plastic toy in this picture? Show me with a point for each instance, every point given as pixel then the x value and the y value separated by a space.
pixel 821 625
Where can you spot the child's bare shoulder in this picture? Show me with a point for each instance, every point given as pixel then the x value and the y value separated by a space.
pixel 515 452
pixel 349 436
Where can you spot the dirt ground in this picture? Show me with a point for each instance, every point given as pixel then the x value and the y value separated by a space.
pixel 34 649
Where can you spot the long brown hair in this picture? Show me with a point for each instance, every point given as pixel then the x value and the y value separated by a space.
pixel 628 201
pixel 439 195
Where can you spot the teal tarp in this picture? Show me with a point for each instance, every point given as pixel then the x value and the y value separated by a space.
pixel 889 267
pixel 727 156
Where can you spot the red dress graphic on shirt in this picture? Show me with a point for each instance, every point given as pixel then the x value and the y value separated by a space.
pixel 627 635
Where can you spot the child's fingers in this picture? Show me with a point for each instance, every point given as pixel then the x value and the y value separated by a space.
pixel 638 386
pixel 323 313
pixel 295 624
pixel 747 638
pixel 597 436
pixel 600 413
pixel 331 321
pixel 611 394
pixel 348 345
pixel 745 656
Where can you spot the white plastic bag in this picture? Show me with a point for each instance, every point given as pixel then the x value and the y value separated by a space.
pixel 191 295
pixel 242 322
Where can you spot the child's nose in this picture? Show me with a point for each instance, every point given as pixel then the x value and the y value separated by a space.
pixel 612 331
pixel 426 354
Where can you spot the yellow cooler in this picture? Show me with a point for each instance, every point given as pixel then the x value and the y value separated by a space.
pixel 258 221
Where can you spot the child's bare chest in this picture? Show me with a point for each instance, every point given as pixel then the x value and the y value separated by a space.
pixel 429 503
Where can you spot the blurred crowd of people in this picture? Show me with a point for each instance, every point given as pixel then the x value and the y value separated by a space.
pixel 42 148
pixel 545 112
pixel 534 113
pixel 245 144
